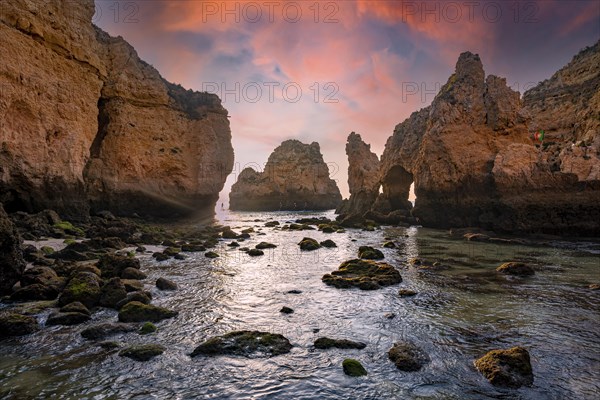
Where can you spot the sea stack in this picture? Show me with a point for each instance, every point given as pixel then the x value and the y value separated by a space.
pixel 86 125
pixel 295 178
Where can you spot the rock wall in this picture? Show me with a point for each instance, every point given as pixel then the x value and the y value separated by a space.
pixel 295 178
pixel 474 163
pixel 11 257
pixel 86 125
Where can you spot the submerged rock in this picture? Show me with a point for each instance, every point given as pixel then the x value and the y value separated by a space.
pixel 13 324
pixel 142 352
pixel 295 178
pixel 369 253
pixel 353 367
pixel 363 274
pixel 516 268
pixel 245 343
pixel 140 312
pixel 147 328
pixel 309 244
pixel 104 330
pixel 328 343
pixel 407 356
pixel 165 284
pixel 508 368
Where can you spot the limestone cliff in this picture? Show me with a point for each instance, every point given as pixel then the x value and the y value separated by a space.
pixel 474 163
pixel 86 124
pixel 363 177
pixel 295 178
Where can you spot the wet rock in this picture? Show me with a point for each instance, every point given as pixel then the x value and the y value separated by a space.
pixel 112 292
pixel 229 234
pixel 294 291
pixel 75 307
pixel 66 318
pixel 147 328
pixel 406 293
pixel 594 286
pixel 516 269
pixel 104 330
pixel 390 315
pixel 42 275
pixel 507 368
pixel 389 245
pixel 113 265
pixel 364 274
pixel 245 343
pixel 84 268
pixel 265 245
pixel 353 367
pixel 326 228
pixel 35 292
pixel 328 243
pixel 192 248
pixel 255 252
pixel 407 356
pixel 309 244
pixel 211 254
pixel 165 284
pixel 271 224
pixel 328 343
pixel 83 287
pixel 109 345
pixel 140 312
pixel 234 244
pixel 133 273
pixel 140 296
pixel 13 324
pixel 160 256
pixel 369 253
pixel 12 264
pixel 286 310
pixel 132 285
pixel 172 251
pixel 142 352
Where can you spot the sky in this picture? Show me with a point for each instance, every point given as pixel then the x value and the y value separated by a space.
pixel 318 70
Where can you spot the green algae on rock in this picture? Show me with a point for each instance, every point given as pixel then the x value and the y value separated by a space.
pixel 369 253
pixel 407 356
pixel 147 328
pixel 309 244
pixel 13 324
pixel 363 274
pixel 328 343
pixel 140 312
pixel 244 343
pixel 506 368
pixel 353 367
pixel 142 352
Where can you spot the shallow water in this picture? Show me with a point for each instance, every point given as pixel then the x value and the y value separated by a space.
pixel 458 315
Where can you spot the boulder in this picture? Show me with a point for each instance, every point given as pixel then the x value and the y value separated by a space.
pixel 113 265
pixel 363 274
pixel 142 352
pixel 139 312
pixel 104 330
pixel 353 367
pixel 165 284
pixel 83 287
pixel 13 324
pixel 407 356
pixel 507 368
pixel 244 343
pixel 67 318
pixel 328 343
pixel 140 296
pixel 369 253
pixel 309 244
pixel 112 292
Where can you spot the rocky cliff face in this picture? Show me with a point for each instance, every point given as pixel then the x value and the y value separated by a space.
pixel 363 177
pixel 295 178
pixel 474 163
pixel 11 257
pixel 86 124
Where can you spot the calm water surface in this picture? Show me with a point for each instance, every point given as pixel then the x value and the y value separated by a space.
pixel 458 315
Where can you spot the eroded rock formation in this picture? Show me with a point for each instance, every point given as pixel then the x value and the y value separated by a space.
pixel 474 162
pixel 86 124
pixel 11 256
pixel 363 177
pixel 295 178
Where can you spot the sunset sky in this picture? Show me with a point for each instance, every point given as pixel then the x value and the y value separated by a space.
pixel 361 66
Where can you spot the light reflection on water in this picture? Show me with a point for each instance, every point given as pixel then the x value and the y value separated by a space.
pixel 458 315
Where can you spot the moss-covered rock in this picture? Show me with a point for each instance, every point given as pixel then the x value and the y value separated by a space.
pixel 75 307
pixel 160 256
pixel 245 343
pixel 233 244
pixel 271 224
pixel 369 253
pixel 255 252
pixel 132 285
pixel 112 292
pixel 35 292
pixel 229 234
pixel 507 368
pixel 363 274
pixel 133 273
pixel 353 367
pixel 327 228
pixel 83 287
pixel 309 244
pixel 142 352
pixel 211 254
pixel 389 245
pixel 113 265
pixel 171 251
pixel 192 248
pixel 165 284
pixel 13 324
pixel 104 330
pixel 147 328
pixel 516 268
pixel 328 343
pixel 407 356
pixel 140 312
pixel 328 243
pixel 142 296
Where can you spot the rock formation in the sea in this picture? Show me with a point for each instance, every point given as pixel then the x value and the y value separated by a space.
pixel 295 178
pixel 87 125
pixel 474 161
pixel 11 257
pixel 363 177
